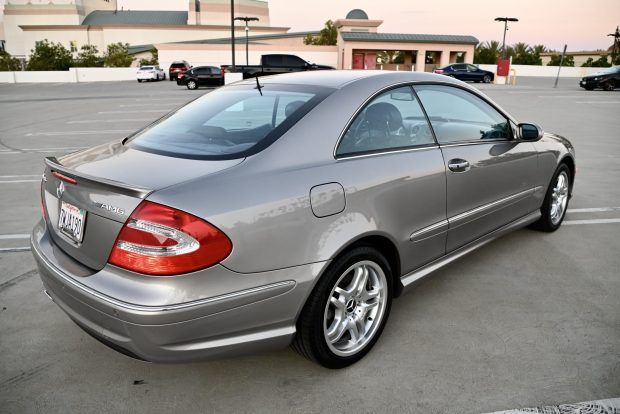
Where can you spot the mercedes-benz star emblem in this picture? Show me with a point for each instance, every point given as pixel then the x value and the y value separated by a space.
pixel 60 189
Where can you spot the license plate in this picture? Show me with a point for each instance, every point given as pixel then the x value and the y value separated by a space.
pixel 71 221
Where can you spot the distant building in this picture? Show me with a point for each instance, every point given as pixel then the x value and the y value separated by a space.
pixel 359 46
pixel 579 57
pixel 201 35
pixel 99 22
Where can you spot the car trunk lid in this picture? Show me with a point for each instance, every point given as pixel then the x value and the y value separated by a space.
pixel 101 187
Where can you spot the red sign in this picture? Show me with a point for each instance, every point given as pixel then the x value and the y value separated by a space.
pixel 503 67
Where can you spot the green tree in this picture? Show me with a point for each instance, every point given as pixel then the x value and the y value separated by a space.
pixel 391 56
pixel 154 60
pixel 598 63
pixel 523 54
pixel 48 55
pixel 487 52
pixel 118 56
pixel 328 36
pixel 8 62
pixel 89 57
pixel 555 60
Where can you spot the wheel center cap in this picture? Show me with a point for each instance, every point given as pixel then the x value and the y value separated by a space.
pixel 350 306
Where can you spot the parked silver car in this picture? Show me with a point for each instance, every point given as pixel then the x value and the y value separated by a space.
pixel 288 209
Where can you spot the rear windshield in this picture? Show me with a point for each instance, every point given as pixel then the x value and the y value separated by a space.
pixel 177 65
pixel 146 68
pixel 232 122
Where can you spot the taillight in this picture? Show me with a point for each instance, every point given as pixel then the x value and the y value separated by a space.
pixel 439 71
pixel 162 241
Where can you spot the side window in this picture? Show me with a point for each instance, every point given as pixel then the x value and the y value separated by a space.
pixel 214 71
pixel 459 116
pixel 472 68
pixel 391 120
pixel 458 67
pixel 294 62
pixel 273 60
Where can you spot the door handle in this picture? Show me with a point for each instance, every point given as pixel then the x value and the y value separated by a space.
pixel 458 165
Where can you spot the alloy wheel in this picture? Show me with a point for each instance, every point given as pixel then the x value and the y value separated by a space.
pixel 355 308
pixel 559 198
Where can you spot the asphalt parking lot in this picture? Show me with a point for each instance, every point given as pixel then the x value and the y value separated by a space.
pixel 531 319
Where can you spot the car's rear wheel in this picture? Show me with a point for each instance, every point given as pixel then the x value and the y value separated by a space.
pixel 608 86
pixel 486 79
pixel 347 310
pixel 191 84
pixel 139 80
pixel 555 203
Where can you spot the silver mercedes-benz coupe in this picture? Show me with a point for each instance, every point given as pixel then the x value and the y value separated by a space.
pixel 288 210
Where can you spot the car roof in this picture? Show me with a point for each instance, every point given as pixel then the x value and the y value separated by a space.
pixel 341 78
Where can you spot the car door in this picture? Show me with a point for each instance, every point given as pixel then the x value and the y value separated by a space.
pixel 490 174
pixel 459 72
pixel 474 73
pixel 393 173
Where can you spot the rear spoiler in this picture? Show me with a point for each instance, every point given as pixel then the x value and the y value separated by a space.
pixel 97 182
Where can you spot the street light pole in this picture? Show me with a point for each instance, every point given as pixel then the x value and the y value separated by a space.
pixel 232 31
pixel 247 19
pixel 505 20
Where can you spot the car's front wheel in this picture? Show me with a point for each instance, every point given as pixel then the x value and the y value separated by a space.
pixel 192 84
pixel 347 311
pixel 555 203
pixel 486 79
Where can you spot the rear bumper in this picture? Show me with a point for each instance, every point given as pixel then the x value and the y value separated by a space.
pixel 249 320
pixel 147 76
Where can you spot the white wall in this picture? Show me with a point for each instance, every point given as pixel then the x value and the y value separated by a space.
pixel 44 76
pixel 72 75
pixel 546 71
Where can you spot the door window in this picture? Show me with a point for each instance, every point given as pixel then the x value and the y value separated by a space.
pixel 459 116
pixel 392 120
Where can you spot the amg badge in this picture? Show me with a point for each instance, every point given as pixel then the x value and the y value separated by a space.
pixel 111 208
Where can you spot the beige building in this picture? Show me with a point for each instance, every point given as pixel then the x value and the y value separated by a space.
pixel 74 23
pixel 201 35
pixel 360 45
pixel 579 58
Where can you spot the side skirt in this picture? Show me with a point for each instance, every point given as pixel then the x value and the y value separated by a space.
pixel 410 279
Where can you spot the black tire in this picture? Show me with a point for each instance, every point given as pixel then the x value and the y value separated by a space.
pixel 545 223
pixel 192 84
pixel 164 78
pixel 589 88
pixel 486 79
pixel 608 86
pixel 310 339
pixel 139 80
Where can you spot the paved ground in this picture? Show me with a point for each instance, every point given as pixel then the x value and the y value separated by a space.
pixel 532 319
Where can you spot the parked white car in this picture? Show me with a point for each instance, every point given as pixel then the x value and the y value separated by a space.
pixel 148 73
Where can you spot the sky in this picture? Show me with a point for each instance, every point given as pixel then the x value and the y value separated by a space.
pixel 582 25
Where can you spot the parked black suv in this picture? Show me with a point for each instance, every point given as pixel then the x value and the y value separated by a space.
pixel 201 76
pixel 607 79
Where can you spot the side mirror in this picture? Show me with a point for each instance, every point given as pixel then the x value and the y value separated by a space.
pixel 530 132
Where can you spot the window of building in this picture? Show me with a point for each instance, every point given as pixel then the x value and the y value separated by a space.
pixel 392 120
pixel 460 116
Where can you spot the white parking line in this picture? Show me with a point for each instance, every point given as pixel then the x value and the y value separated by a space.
pixel 14 236
pixel 134 112
pixel 97 121
pixel 14 249
pixel 592 221
pixel 592 209
pixel 597 102
pixel 63 133
pixel 19 176
pixel 20 181
pixel 140 105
